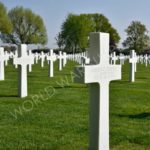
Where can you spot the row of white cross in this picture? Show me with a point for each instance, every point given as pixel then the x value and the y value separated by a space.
pixel 143 59
pixel 97 69
pixel 81 58
pixel 22 59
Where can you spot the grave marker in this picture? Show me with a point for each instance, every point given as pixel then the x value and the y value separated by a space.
pixel 36 56
pixel 64 59
pixel 6 58
pixel 60 57
pixel 2 59
pixel 114 58
pixel 32 57
pixel 42 57
pixel 15 56
pixel 51 58
pixel 132 62
pixel 146 60
pixel 135 61
pixel 98 74
pixel 22 61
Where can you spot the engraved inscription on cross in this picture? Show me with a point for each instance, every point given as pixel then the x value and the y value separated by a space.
pixel 22 61
pixel 98 75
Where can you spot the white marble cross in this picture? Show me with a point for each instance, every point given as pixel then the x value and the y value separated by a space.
pixel 32 57
pixel 98 74
pixel 22 61
pixel 84 59
pixel 36 56
pixel 15 56
pixel 64 59
pixel 132 62
pixel 114 58
pixel 42 57
pixel 6 58
pixel 2 59
pixel 60 57
pixel 51 58
pixel 136 59
pixel 146 60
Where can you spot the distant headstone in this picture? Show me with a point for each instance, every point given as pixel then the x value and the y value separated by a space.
pixel 42 57
pixel 149 59
pixel 141 59
pixel 36 56
pixel 22 61
pixel 146 60
pixel 32 57
pixel 64 60
pixel 6 58
pixel 98 74
pixel 51 58
pixel 60 58
pixel 135 64
pixel 2 59
pixel 114 58
pixel 132 62
pixel 15 56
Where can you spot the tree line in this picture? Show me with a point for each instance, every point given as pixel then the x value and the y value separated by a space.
pixel 21 25
pixel 74 34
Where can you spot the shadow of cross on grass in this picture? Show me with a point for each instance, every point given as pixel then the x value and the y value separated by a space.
pixel 137 116
pixel 4 95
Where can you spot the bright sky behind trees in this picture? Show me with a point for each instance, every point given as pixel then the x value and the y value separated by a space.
pixel 119 12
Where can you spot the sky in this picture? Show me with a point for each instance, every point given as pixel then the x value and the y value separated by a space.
pixel 120 12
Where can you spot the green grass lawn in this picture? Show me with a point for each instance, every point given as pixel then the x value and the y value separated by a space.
pixel 55 114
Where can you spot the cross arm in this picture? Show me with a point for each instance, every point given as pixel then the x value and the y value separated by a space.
pixel 23 61
pixel 97 73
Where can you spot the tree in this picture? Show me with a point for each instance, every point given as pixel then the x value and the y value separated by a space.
pixel 137 36
pixel 59 41
pixel 102 24
pixel 76 28
pixel 74 32
pixel 28 27
pixel 5 23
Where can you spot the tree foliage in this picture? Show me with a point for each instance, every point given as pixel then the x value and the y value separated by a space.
pixel 5 23
pixel 76 28
pixel 28 27
pixel 74 33
pixel 137 36
pixel 59 41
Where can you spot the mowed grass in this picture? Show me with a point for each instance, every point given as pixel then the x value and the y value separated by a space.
pixel 55 114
